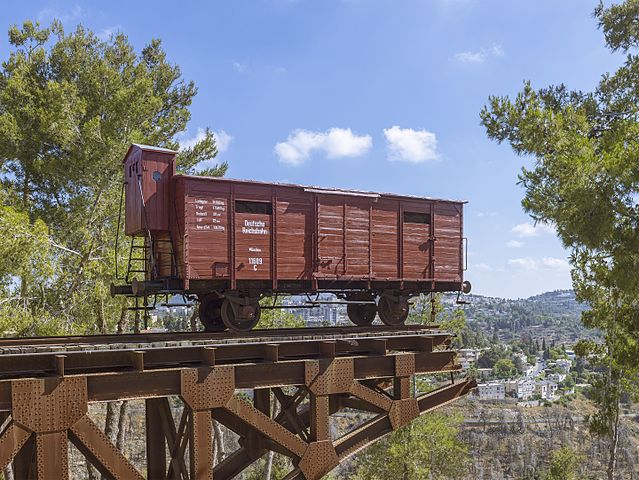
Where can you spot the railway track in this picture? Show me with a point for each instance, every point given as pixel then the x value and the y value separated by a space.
pixel 58 356
pixel 9 345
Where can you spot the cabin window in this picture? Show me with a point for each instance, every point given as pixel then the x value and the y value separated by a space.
pixel 244 206
pixel 417 217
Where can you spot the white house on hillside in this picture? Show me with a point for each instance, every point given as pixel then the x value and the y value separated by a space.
pixel 492 391
pixel 522 389
pixel 546 389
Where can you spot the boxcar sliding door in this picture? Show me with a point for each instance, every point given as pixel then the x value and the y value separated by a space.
pixel 416 243
pixel 330 236
pixel 449 233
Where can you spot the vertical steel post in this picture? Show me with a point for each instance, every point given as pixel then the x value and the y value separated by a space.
pixel 155 439
pixel 319 418
pixel 201 445
pixel 23 462
pixel 52 455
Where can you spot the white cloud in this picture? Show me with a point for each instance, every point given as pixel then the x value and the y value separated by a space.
pixel 480 56
pixel 546 263
pixel 514 244
pixel 406 144
pixel 222 140
pixel 106 33
pixel 524 263
pixel 487 214
pixel 497 51
pixel 470 57
pixel 525 230
pixel 240 67
pixel 481 267
pixel 335 143
pixel 555 263
pixel 48 14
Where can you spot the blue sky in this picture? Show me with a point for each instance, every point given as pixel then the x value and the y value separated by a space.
pixel 372 94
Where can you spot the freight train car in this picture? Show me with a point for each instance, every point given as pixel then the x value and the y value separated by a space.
pixel 229 243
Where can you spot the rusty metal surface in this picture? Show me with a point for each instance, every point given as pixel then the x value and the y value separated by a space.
pixel 11 441
pixel 160 356
pixel 96 447
pixel 296 387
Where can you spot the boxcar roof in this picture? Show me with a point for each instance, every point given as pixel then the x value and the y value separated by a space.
pixel 148 148
pixel 325 190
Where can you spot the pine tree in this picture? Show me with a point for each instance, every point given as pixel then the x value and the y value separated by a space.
pixel 70 106
pixel 584 182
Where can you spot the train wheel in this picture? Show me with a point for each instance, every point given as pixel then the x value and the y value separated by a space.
pixel 246 318
pixel 361 314
pixel 210 313
pixel 392 312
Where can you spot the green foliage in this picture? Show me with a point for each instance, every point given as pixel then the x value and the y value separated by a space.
pixel 585 181
pixel 526 321
pixel 278 318
pixel 25 249
pixel 504 368
pixel 563 464
pixel 280 467
pixel 428 448
pixel 428 309
pixel 70 106
pixel 619 24
pixel 490 357
pixel 425 309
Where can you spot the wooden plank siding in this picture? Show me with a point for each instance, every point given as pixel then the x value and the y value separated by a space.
pixel 294 241
pixel 385 247
pixel 206 230
pixel 148 175
pixel 448 246
pixel 330 236
pixel 309 235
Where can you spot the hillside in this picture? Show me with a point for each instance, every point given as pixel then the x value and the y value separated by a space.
pixel 553 316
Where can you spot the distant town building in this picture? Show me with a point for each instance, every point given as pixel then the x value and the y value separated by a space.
pixel 468 357
pixel 521 357
pixel 484 372
pixel 556 377
pixel 564 365
pixel 492 391
pixel 546 389
pixel 522 389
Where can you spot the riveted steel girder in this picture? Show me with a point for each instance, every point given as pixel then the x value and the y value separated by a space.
pixel 296 387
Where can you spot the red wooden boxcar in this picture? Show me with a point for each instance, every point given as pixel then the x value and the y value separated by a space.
pixel 232 242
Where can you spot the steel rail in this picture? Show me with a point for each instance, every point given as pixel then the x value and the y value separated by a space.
pixel 155 337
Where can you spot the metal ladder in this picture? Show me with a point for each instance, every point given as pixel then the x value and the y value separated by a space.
pixel 138 255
